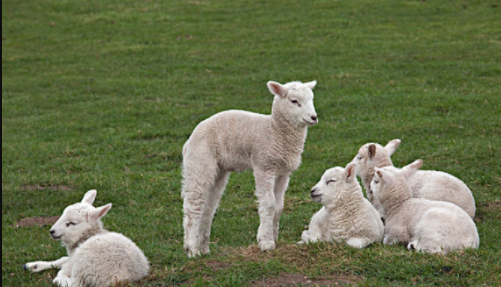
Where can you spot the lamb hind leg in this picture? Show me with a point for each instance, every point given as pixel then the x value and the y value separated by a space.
pixel 197 182
pixel 210 209
pixel 264 191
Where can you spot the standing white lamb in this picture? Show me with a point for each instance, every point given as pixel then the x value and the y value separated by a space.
pixel 270 145
pixel 428 184
pixel 425 225
pixel 96 257
pixel 346 215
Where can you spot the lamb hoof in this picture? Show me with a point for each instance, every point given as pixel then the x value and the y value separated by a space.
pixel 267 245
pixel 192 253
pixel 205 251
pixel 62 283
pixel 412 246
pixel 32 266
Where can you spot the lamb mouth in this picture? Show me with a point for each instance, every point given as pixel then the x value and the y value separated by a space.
pixel 309 123
pixel 316 197
pixel 56 237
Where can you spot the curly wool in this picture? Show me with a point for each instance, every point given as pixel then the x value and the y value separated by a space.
pixel 107 259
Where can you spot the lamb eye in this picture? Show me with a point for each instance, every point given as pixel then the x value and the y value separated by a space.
pixel 359 157
pixel 331 181
pixel 68 224
pixel 376 181
pixel 295 102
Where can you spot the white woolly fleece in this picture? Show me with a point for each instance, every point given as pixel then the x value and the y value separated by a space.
pixel 346 215
pixel 270 145
pixel 427 184
pixel 424 225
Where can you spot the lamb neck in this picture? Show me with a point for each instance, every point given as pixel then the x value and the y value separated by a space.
pixel 291 137
pixel 395 201
pixel 95 230
pixel 346 202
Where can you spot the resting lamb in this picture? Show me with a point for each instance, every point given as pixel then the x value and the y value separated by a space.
pixel 428 184
pixel 425 225
pixel 96 257
pixel 346 216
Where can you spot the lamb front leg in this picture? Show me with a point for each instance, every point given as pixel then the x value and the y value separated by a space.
pixel 281 184
pixel 63 278
pixel 265 182
pixel 390 238
pixel 38 266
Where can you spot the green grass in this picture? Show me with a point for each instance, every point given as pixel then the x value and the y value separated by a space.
pixel 103 94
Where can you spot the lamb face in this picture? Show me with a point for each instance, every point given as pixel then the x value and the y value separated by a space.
pixel 334 180
pixel 79 220
pixel 391 183
pixel 377 184
pixel 372 155
pixel 294 101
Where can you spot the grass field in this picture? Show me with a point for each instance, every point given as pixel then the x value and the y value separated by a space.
pixel 103 94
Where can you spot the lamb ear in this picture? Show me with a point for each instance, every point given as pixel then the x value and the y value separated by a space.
pixel 372 151
pixel 311 84
pixel 392 146
pixel 410 169
pixel 350 172
pixel 90 196
pixel 383 175
pixel 277 89
pixel 99 212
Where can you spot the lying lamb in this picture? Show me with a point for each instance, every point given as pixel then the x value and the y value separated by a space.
pixel 346 215
pixel 270 145
pixel 96 257
pixel 425 225
pixel 429 184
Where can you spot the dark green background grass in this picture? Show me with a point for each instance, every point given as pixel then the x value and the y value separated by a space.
pixel 103 94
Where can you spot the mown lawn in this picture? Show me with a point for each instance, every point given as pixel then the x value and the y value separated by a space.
pixel 103 94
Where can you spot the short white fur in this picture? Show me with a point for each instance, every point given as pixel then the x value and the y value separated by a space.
pixel 428 184
pixel 270 145
pixel 425 225
pixel 346 216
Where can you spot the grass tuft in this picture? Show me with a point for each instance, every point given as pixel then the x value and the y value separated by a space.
pixel 103 95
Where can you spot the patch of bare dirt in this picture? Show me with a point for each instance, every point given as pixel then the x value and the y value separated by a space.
pixel 297 255
pixel 37 221
pixel 286 279
pixel 218 265
pixel 47 186
pixel 487 207
pixel 494 205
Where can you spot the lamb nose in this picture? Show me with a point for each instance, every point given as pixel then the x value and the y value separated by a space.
pixel 314 118
pixel 313 190
pixel 52 232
